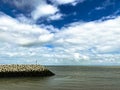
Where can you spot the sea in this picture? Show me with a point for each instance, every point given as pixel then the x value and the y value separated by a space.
pixel 68 78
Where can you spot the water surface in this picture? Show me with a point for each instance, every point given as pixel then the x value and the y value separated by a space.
pixel 69 78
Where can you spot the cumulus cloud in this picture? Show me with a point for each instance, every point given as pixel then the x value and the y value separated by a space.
pixel 77 43
pixel 100 36
pixel 73 2
pixel 21 4
pixel 44 10
pixel 84 41
pixel 35 9
pixel 13 31
pixel 55 17
pixel 64 1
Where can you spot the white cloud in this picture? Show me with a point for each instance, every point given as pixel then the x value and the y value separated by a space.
pixel 86 40
pixel 78 57
pixel 55 17
pixel 103 36
pixel 13 31
pixel 79 43
pixel 44 10
pixel 73 2
pixel 36 10
pixel 46 37
pixel 65 1
pixel 24 19
pixel 21 4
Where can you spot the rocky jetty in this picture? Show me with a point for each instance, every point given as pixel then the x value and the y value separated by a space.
pixel 24 71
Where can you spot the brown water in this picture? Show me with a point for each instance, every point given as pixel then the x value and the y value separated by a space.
pixel 68 78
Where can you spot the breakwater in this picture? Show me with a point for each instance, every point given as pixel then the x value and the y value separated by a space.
pixel 24 71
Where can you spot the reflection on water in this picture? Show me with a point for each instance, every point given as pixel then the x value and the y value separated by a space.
pixel 68 78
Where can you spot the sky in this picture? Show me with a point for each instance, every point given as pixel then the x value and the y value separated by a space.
pixel 60 32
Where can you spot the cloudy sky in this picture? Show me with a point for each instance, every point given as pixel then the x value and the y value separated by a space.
pixel 60 32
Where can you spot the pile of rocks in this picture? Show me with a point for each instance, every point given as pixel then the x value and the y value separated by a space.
pixel 19 68
pixel 24 70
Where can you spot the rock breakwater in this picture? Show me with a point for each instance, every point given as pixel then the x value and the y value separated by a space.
pixel 24 71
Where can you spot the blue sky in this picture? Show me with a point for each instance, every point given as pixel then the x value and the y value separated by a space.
pixel 60 32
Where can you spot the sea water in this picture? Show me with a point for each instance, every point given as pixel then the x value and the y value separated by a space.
pixel 69 78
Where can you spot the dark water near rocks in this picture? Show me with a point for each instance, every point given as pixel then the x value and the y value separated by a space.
pixel 69 78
